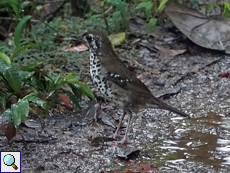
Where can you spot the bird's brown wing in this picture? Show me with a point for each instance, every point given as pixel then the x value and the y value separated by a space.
pixel 123 77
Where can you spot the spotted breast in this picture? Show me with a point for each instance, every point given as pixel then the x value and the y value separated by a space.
pixel 98 75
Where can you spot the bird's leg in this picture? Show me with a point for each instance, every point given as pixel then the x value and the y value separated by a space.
pixel 116 135
pixel 126 140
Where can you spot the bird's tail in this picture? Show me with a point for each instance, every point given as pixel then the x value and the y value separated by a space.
pixel 165 106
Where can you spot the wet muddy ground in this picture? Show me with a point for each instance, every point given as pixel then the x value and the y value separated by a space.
pixel 161 141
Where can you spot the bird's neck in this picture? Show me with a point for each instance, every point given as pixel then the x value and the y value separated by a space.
pixel 93 55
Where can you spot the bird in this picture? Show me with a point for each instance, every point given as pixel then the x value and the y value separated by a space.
pixel 117 83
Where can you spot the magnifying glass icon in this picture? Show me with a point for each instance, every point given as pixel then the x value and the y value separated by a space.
pixel 9 160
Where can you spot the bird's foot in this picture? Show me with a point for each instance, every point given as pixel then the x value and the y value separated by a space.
pixel 117 136
pixel 124 141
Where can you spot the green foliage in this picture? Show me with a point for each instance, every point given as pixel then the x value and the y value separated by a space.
pixel 210 6
pixel 18 30
pixel 120 11
pixel 195 3
pixel 148 6
pixel 32 98
pixel 5 58
pixel 18 11
pixel 93 17
pixel 10 76
pixel 20 111
pixel 13 79
pixel 120 6
pixel 226 8
pixel 162 5
pixel 15 6
pixel 42 82
pixel 150 10
pixel 16 115
pixel 50 83
pixel 21 48
pixel 151 23
pixel 23 108
pixel 24 4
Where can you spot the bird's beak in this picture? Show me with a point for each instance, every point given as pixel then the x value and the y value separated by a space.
pixel 75 38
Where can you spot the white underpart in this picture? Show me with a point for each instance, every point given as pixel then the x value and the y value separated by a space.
pixel 97 77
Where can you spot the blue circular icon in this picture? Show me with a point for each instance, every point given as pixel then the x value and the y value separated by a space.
pixel 8 159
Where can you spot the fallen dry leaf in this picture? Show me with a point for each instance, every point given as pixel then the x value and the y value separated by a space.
pixel 65 99
pixel 209 32
pixel 117 39
pixel 7 127
pixel 79 48
pixel 169 52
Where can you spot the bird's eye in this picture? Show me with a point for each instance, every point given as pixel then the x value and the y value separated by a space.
pixel 89 37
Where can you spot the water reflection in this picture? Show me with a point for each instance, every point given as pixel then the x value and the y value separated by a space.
pixel 201 140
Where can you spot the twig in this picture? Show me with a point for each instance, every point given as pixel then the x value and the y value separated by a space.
pixel 110 8
pixel 9 18
pixel 211 63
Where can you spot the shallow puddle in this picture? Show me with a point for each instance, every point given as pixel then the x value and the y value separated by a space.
pixel 197 144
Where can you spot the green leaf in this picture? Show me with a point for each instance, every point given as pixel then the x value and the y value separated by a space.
pixel 24 75
pixel 31 67
pixel 87 91
pixel 119 5
pixel 16 115
pixel 18 30
pixel 3 101
pixel 76 90
pixel 13 79
pixel 74 100
pixel 151 23
pixel 58 79
pixel 147 6
pixel 102 3
pixel 71 77
pixel 60 84
pixel 5 58
pixel 3 67
pixel 36 100
pixel 148 12
pixel 208 7
pixel 162 5
pixel 39 7
pixel 23 108
pixel 4 1
pixel 24 47
pixel 226 8
pixel 115 15
pixel 93 17
pixel 195 3
pixel 25 4
pixel 15 6
pixel 144 5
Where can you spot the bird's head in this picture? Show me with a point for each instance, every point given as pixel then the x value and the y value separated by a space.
pixel 95 40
